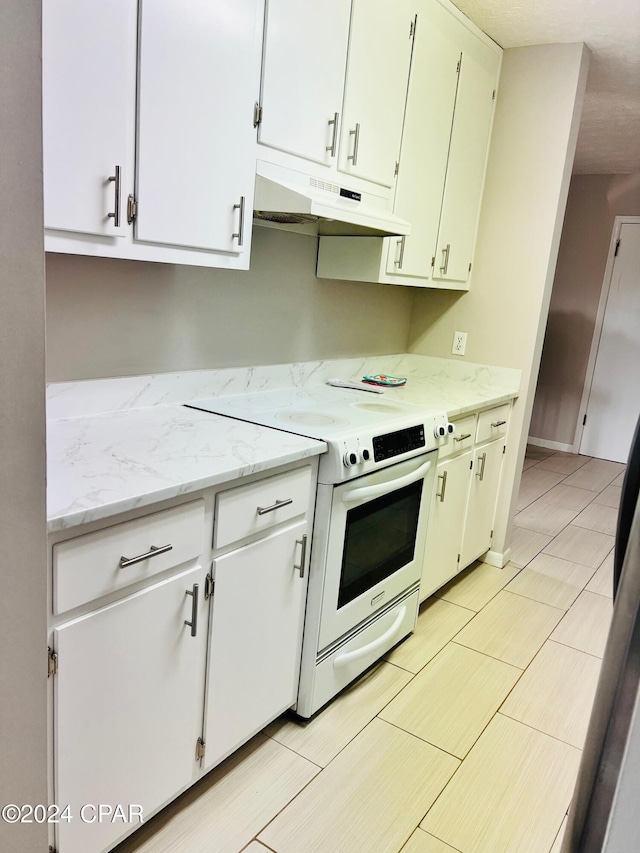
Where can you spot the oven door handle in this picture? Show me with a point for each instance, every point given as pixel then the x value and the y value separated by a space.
pixel 349 657
pixel 365 492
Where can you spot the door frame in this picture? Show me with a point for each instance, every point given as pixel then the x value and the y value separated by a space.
pixel 618 222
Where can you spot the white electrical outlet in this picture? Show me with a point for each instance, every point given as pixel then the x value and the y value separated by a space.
pixel 459 343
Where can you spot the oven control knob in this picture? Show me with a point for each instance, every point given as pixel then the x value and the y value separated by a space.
pixel 351 458
pixel 451 428
pixel 366 455
pixel 440 431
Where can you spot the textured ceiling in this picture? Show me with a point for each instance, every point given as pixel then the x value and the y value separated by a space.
pixel 609 138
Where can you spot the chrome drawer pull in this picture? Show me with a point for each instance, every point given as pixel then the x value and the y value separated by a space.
pixel 463 437
pixel 264 509
pixel 498 423
pixel 356 134
pixel 303 554
pixel 152 552
pixel 440 494
pixel 239 234
pixel 445 259
pixel 194 609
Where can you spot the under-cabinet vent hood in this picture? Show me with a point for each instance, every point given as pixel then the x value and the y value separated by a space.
pixel 287 197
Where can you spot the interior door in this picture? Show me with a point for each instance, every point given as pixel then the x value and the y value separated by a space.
pixel 614 400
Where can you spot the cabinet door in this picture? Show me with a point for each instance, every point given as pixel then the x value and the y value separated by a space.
pixel 446 521
pixel 467 160
pixel 128 706
pixel 305 54
pixel 88 109
pixel 487 462
pixel 425 141
pixel 256 636
pixel 198 82
pixel 376 89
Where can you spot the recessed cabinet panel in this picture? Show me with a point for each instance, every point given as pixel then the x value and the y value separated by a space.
pixel 487 463
pixel 88 113
pixel 127 707
pixel 303 77
pixel 425 142
pixel 376 89
pixel 467 158
pixel 197 88
pixel 256 637
pixel 446 522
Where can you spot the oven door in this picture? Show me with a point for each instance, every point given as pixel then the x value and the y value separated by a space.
pixel 375 542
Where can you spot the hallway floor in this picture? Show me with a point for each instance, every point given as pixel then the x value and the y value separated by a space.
pixel 468 736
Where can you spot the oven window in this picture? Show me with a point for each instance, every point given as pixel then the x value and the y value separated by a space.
pixel 380 538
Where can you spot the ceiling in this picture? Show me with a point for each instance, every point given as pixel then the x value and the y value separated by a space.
pixel 609 138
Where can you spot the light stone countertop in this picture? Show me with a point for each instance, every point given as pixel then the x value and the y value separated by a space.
pixel 117 444
pixel 102 465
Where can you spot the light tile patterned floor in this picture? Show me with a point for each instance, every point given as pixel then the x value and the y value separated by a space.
pixel 466 738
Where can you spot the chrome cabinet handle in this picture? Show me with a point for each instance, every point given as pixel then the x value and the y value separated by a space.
pixel 445 259
pixel 334 139
pixel 240 233
pixel 303 554
pixel 440 494
pixel 194 609
pixel 463 437
pixel 498 423
pixel 480 473
pixel 116 213
pixel 400 259
pixel 152 552
pixel 261 510
pixel 356 134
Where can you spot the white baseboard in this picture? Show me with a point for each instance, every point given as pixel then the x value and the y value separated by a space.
pixel 497 558
pixel 550 445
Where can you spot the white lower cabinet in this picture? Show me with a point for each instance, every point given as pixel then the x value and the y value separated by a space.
pixel 256 637
pixel 127 707
pixel 464 502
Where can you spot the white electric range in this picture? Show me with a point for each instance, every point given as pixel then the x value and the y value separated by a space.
pixel 374 492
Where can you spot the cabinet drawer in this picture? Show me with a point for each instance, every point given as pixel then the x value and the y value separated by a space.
pixel 463 438
pixel 89 566
pixel 256 507
pixel 493 423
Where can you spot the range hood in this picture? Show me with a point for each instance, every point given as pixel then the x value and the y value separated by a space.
pixel 290 198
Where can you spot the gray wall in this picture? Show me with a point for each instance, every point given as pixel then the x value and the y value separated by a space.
pixel 594 202
pixel 117 318
pixel 22 461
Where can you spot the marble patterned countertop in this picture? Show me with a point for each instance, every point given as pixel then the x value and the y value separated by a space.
pixel 117 444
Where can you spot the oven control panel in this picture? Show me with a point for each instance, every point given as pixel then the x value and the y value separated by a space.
pixel 396 443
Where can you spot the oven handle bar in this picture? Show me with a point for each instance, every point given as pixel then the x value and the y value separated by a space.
pixel 349 657
pixel 385 488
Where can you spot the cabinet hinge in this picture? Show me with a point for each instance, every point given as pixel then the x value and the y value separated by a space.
pixel 412 27
pixel 504 449
pixel 52 849
pixel 470 267
pixel 200 749
pixel 52 666
pixel 615 254
pixel 493 97
pixel 208 587
pixel 132 209
pixel 397 169
pixel 257 114
pixel 491 535
pixel 471 465
pixel 458 557
pixel 584 421
pixel 433 261
pixel 459 64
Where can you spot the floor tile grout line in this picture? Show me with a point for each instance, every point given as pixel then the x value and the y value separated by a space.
pixel 575 648
pixel 539 731
pixel 537 600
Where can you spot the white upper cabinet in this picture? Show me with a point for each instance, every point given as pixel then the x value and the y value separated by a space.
pixel 425 141
pixel 305 54
pixel 195 167
pixel 467 159
pixel 88 93
pixel 375 89
pixel 188 163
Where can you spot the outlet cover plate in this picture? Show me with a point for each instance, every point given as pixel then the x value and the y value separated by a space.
pixel 459 343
